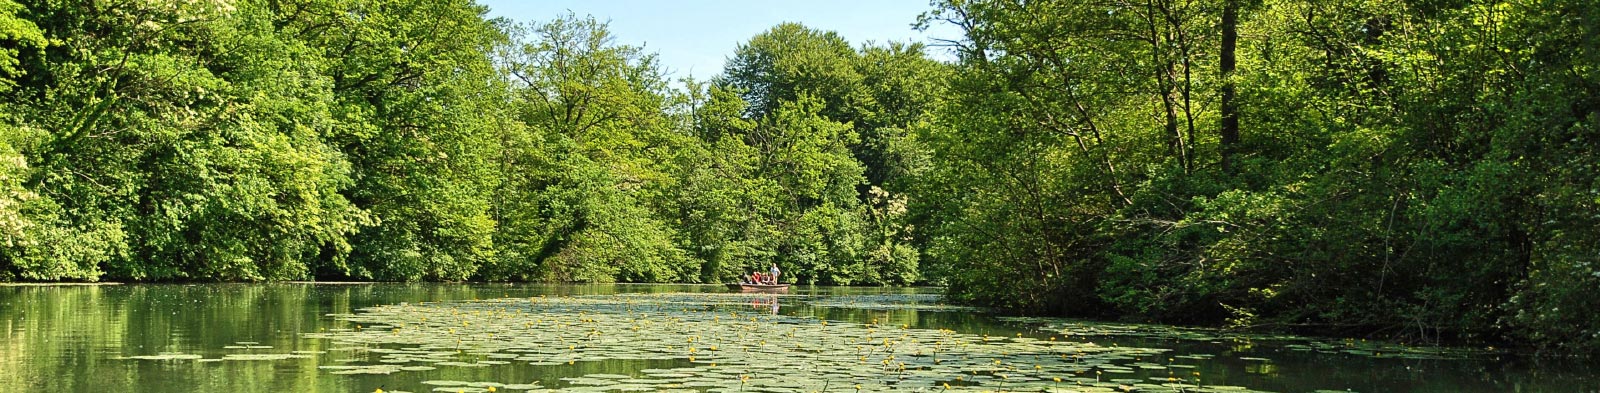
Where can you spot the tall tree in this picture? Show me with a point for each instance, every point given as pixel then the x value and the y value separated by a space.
pixel 877 93
pixel 170 145
pixel 585 201
pixel 1229 62
pixel 408 80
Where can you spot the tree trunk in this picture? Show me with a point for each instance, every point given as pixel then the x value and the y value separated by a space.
pixel 1230 106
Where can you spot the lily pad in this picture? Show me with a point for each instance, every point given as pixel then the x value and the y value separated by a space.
pixel 724 344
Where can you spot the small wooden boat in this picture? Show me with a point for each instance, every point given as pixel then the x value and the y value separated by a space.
pixel 764 288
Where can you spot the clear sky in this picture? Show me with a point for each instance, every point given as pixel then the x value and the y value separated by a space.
pixel 695 37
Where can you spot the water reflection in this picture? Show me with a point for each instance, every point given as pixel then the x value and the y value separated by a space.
pixel 74 338
pixel 767 304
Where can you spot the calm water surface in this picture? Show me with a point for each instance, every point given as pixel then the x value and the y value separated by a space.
pixel 78 338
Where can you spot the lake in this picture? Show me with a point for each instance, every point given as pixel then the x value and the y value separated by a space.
pixel 512 338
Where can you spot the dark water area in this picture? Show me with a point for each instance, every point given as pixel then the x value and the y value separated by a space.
pixel 81 338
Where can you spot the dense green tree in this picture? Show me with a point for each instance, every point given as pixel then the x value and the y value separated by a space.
pixel 17 228
pixel 812 179
pixel 792 60
pixel 718 190
pixel 1379 166
pixel 171 133
pixel 414 90
pixel 586 182
pixel 874 95
pixel 905 88
pixel 20 35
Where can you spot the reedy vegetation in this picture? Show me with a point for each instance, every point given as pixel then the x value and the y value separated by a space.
pixel 1413 169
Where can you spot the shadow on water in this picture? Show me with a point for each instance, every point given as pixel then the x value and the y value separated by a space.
pixel 77 338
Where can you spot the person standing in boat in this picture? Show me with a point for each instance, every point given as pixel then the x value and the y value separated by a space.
pixel 774 273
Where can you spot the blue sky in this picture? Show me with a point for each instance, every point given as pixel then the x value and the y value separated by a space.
pixel 697 36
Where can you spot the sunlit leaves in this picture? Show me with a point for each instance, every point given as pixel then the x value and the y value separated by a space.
pixel 21 34
pixel 1402 165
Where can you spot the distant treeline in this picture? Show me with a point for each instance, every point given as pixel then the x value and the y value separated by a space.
pixel 1422 170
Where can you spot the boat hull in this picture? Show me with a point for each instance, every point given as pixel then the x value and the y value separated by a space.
pixel 759 288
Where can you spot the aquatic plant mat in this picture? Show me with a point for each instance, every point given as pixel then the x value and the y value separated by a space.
pixel 737 342
pixel 920 302
pixel 723 345
pixel 1081 330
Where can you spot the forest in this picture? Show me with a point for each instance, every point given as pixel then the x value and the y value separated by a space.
pixel 1423 170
